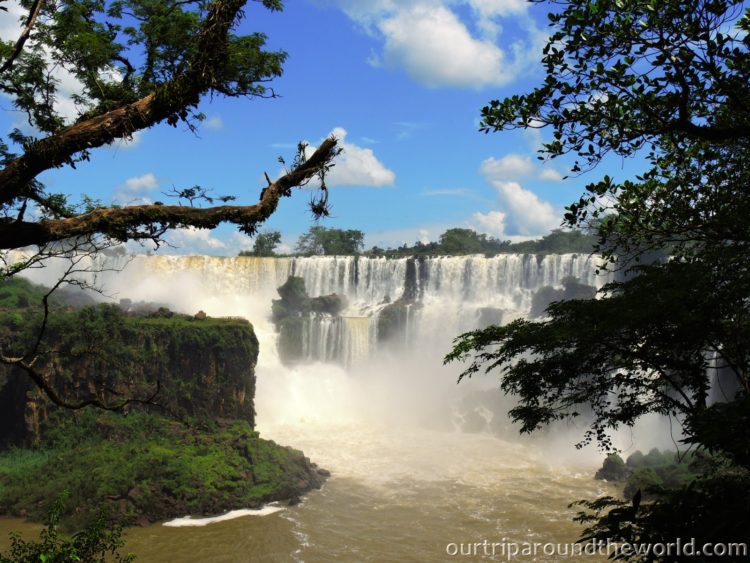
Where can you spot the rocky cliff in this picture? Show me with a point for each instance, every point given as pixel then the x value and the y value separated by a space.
pixel 191 450
pixel 202 368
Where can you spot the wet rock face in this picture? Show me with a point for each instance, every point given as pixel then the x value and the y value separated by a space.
pixel 203 368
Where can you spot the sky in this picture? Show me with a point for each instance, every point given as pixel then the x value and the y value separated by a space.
pixel 401 84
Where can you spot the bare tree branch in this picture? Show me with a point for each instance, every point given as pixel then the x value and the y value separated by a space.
pixel 123 223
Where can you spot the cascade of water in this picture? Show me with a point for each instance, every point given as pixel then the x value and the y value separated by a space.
pixel 442 296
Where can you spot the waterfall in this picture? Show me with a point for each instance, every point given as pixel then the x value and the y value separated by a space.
pixel 428 300
pixel 432 299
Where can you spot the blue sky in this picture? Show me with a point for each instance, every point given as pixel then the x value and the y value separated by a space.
pixel 401 83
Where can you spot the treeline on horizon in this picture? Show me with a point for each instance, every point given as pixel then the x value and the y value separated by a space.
pixel 323 241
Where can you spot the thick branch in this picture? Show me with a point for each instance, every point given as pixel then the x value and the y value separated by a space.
pixel 183 91
pixel 122 223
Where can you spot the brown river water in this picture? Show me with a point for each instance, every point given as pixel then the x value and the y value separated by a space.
pixel 393 497
pixel 407 484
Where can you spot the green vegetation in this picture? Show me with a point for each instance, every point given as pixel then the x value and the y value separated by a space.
pixel 654 474
pixel 99 542
pixel 330 242
pixel 458 241
pixel 147 467
pixel 668 81
pixel 265 244
pixel 201 367
pixel 322 241
pixel 188 449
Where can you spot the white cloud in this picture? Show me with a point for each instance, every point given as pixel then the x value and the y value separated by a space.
pixel 132 191
pixel 195 241
pixel 521 212
pixel 429 40
pixel 526 214
pixel 492 223
pixel 214 122
pixel 141 183
pixel 494 8
pixel 550 174
pixel 510 167
pixel 437 49
pixel 356 166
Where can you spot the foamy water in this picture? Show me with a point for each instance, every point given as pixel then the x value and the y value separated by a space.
pixel 405 482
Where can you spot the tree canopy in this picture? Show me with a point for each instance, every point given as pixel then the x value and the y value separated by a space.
pixel 139 63
pixel 668 81
pixel 265 244
pixel 322 240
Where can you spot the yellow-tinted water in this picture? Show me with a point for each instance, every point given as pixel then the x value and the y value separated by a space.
pixel 395 496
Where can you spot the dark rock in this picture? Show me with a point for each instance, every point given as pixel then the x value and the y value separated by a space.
pixel 135 493
pixel 200 316
pixel 332 304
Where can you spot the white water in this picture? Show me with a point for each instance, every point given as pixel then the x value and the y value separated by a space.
pixel 387 422
pixel 187 521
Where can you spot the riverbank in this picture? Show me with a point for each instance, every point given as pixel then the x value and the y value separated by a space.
pixel 145 468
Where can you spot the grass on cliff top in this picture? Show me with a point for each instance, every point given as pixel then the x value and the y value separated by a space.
pixel 146 466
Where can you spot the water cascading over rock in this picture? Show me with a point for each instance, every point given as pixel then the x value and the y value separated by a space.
pixel 399 301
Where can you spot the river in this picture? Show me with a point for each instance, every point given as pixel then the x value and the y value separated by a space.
pixel 409 482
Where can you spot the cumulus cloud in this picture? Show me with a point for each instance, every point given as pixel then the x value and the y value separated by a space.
pixel 526 213
pixel 356 166
pixel 492 223
pixel 521 212
pixel 510 167
pixel 432 43
pixel 513 167
pixel 494 8
pixel 437 49
pixel 195 241
pixel 133 190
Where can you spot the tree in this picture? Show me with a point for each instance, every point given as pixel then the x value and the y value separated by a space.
pixel 265 244
pixel 669 81
pixel 321 240
pixel 138 63
pixel 462 241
